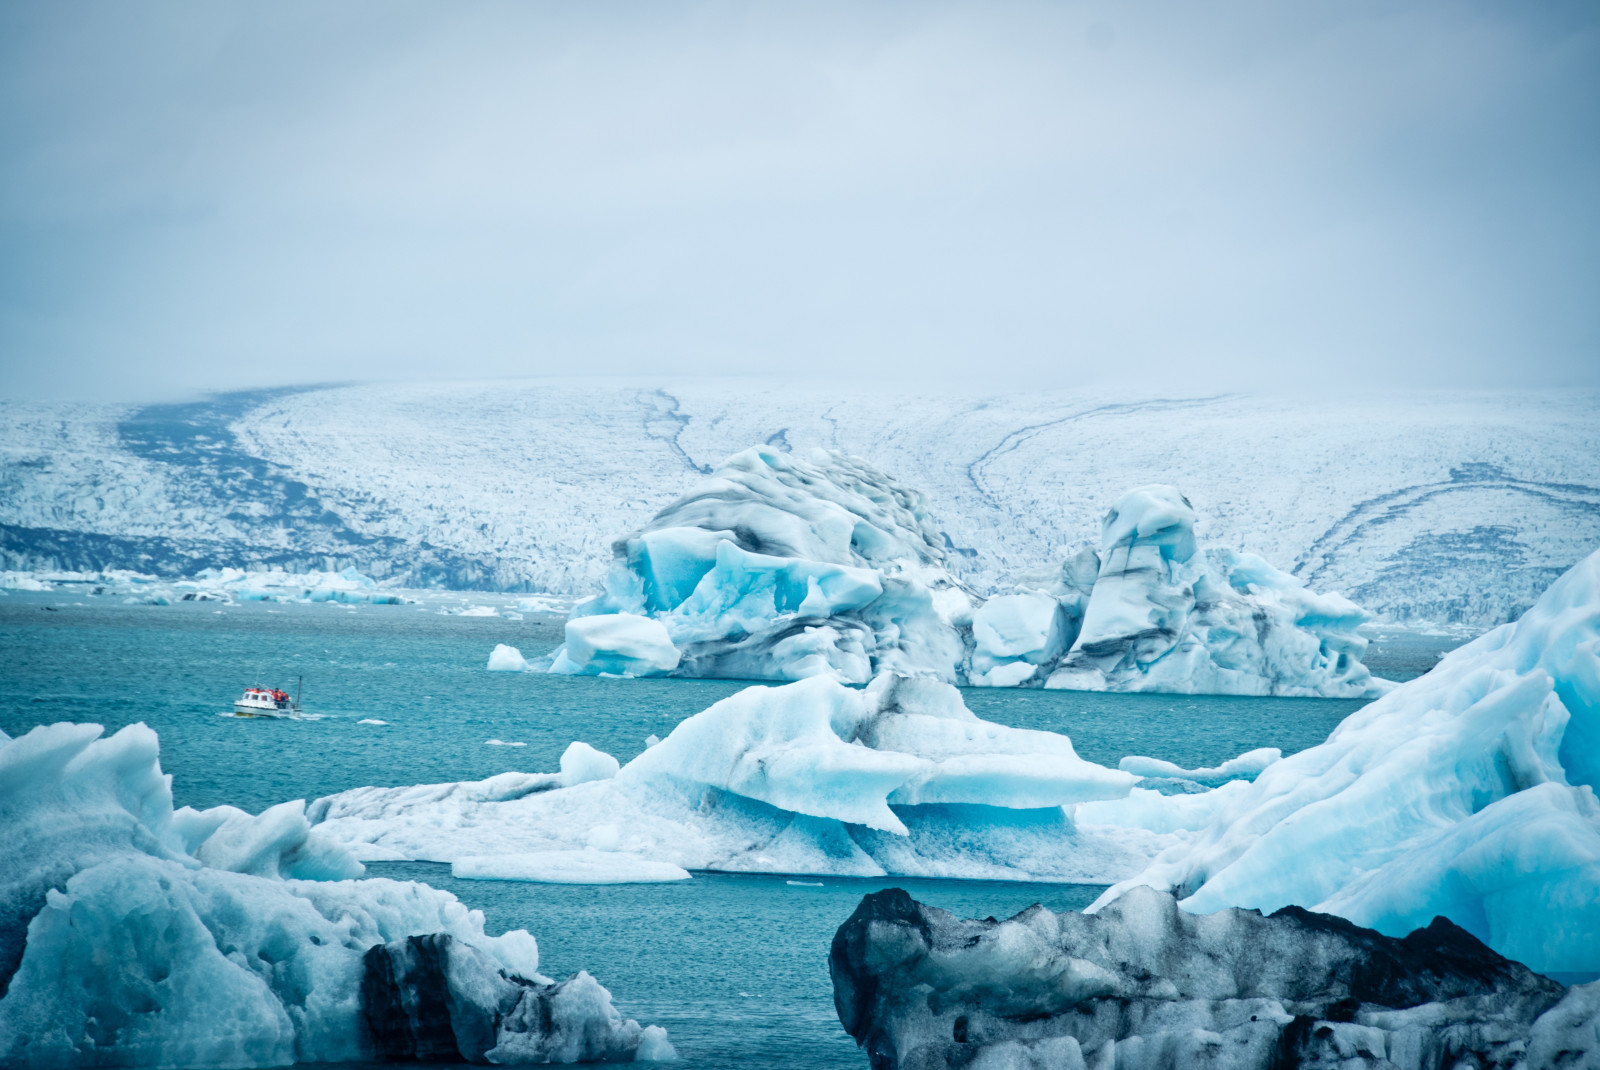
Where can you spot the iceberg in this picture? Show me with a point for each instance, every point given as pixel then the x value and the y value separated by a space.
pixel 1146 986
pixel 135 935
pixel 1165 615
pixel 779 567
pixel 1467 793
pixel 811 777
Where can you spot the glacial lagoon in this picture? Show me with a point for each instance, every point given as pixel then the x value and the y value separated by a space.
pixel 734 966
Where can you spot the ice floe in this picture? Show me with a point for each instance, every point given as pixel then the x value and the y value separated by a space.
pixel 811 777
pixel 1468 793
pixel 133 935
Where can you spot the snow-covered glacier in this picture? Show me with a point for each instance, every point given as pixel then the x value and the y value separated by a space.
pixel 134 935
pixel 811 777
pixel 1467 793
pixel 1144 986
pixel 1155 612
pixel 778 566
pixel 1443 506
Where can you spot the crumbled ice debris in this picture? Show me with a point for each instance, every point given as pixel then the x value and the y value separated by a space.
pixel 1467 793
pixel 780 567
pixel 812 777
pixel 22 581
pixel 133 935
pixel 478 611
pixel 1161 614
pixel 505 658
pixel 1146 986
pixel 217 585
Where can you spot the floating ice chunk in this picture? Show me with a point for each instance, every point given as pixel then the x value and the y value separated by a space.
pixel 505 658
pixel 503 743
pixel 586 866
pixel 581 763
pixel 1246 766
pixel 478 611
pixel 119 947
pixel 1467 793
pixel 1164 615
pixel 371 720
pixel 622 644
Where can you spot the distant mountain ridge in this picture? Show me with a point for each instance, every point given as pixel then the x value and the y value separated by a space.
pixel 1447 507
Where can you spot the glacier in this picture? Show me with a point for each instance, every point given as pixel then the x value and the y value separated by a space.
pixel 777 567
pixel 1467 793
pixel 135 935
pixel 1144 985
pixel 811 777
pixel 1444 506
pixel 1162 614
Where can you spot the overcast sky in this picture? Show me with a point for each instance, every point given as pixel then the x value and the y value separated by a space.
pixel 213 195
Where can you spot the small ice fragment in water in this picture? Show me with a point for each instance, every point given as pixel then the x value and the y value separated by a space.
pixel 371 720
pixel 805 884
pixel 503 743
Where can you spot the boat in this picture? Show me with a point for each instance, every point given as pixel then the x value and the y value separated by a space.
pixel 267 702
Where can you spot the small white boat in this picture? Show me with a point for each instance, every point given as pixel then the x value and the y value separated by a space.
pixel 266 702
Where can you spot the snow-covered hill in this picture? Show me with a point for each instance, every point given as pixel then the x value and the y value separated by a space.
pixel 1439 506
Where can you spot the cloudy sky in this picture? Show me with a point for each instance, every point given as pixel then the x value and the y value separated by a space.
pixel 1355 193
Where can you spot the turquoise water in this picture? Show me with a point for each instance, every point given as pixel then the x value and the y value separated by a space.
pixel 733 965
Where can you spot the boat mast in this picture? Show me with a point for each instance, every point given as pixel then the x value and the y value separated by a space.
pixel 301 683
